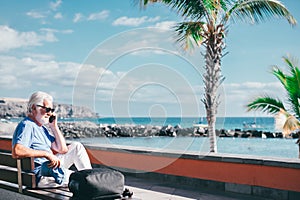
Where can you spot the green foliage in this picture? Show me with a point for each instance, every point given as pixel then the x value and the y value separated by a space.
pixel 291 83
pixel 255 11
pixel 266 104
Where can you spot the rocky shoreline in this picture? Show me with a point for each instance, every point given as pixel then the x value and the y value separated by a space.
pixel 89 129
pixel 85 129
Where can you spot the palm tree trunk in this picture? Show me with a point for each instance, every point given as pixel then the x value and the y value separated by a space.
pixel 211 118
pixel 211 104
pixel 212 79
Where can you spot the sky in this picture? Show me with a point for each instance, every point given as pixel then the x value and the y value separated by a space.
pixel 121 60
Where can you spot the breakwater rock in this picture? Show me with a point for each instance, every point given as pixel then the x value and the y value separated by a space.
pixel 15 108
pixel 89 129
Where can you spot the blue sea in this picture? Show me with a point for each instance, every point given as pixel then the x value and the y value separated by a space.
pixel 275 147
pixel 228 123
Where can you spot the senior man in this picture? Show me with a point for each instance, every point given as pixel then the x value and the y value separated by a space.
pixel 52 156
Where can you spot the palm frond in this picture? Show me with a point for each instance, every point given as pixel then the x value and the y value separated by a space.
pixel 189 33
pixel 198 9
pixel 293 95
pixel 187 8
pixel 266 104
pixel 291 83
pixel 255 11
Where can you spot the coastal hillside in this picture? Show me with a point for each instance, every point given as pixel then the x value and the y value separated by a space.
pixel 14 107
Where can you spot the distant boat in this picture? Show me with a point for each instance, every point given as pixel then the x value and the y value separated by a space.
pixel 200 124
pixel 252 126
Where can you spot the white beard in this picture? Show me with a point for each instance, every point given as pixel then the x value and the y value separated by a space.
pixel 42 119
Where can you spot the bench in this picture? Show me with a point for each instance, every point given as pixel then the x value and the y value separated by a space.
pixel 16 175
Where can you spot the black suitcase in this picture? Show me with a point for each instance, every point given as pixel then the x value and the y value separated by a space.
pixel 98 183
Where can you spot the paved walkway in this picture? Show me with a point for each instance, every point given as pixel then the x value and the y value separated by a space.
pixel 10 195
pixel 152 190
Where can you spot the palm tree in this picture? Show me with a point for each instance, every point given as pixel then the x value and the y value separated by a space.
pixel 286 118
pixel 206 23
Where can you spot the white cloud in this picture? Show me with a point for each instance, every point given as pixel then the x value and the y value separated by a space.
pixel 78 17
pixel 166 25
pixel 254 89
pixel 44 14
pixel 12 39
pixel 136 42
pixel 237 96
pixel 67 31
pixel 92 17
pixel 126 21
pixel 98 16
pixel 12 82
pixel 42 57
pixel 36 70
pixel 52 31
pixel 55 5
pixel 58 16
pixel 36 15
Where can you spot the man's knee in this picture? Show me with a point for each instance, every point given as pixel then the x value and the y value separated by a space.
pixel 77 146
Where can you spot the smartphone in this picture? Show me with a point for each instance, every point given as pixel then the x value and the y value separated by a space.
pixel 51 118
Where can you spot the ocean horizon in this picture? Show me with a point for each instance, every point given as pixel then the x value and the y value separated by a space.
pixel 228 123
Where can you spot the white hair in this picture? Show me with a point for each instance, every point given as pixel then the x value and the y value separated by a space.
pixel 38 98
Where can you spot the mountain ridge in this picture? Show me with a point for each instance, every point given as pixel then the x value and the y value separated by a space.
pixel 17 107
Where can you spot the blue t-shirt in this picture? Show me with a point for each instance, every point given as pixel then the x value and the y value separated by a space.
pixel 30 135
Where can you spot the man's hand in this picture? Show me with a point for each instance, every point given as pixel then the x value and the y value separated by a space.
pixel 54 161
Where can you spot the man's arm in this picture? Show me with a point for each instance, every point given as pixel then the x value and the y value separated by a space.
pixel 20 151
pixel 59 145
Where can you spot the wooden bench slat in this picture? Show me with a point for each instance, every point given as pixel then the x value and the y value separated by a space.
pixel 8 174
pixel 28 180
pixel 27 164
pixel 9 186
pixel 62 191
pixel 11 175
pixel 7 160
pixel 47 195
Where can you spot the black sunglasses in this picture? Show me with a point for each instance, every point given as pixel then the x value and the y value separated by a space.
pixel 47 109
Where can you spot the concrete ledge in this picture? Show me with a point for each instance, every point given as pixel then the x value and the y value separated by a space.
pixel 238 188
pixel 192 183
pixel 231 158
pixel 270 193
pixel 255 191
